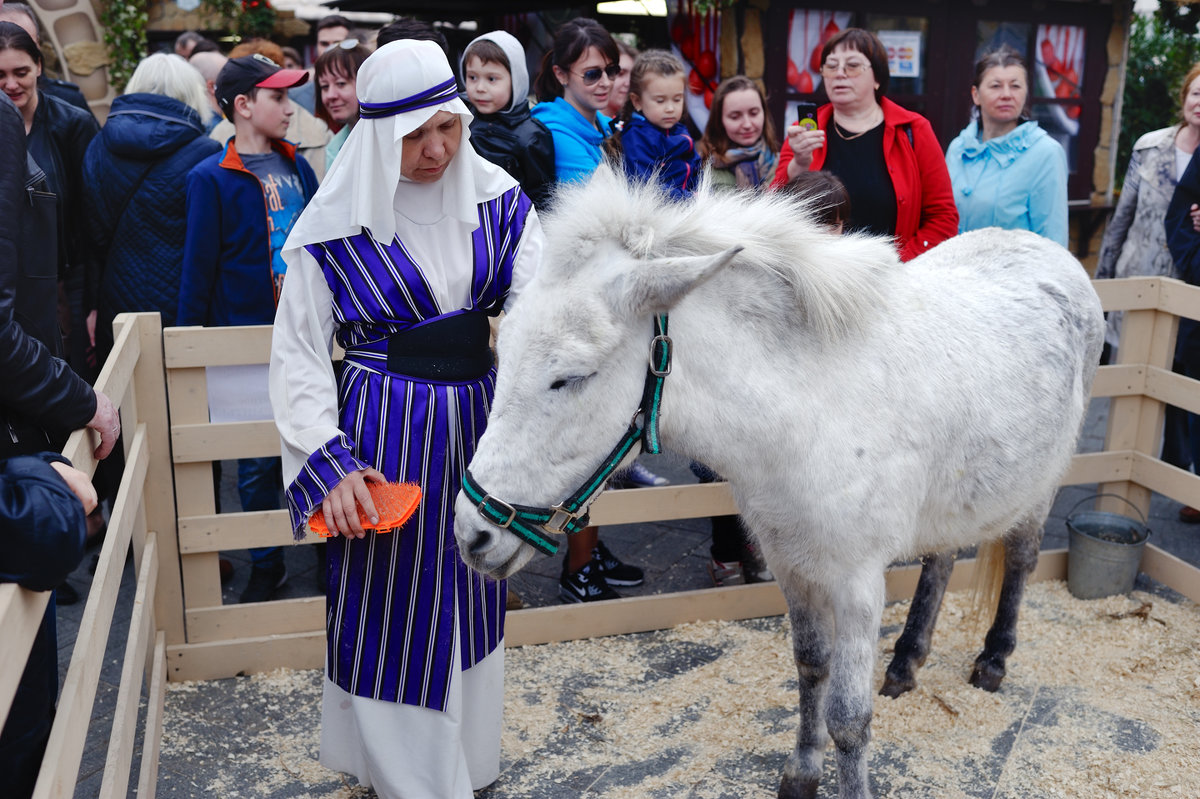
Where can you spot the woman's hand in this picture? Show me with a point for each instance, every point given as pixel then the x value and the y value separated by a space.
pixel 79 483
pixel 341 504
pixel 803 142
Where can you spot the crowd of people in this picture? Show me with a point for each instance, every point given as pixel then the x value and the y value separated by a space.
pixel 384 201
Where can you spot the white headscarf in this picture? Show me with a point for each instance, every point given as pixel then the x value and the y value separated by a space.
pixel 516 64
pixel 364 188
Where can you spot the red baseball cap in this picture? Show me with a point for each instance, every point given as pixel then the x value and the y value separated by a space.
pixel 240 75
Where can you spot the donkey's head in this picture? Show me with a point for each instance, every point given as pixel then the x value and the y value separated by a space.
pixel 573 357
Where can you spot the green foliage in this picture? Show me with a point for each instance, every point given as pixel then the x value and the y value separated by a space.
pixel 249 19
pixel 124 23
pixel 1162 48
pixel 257 19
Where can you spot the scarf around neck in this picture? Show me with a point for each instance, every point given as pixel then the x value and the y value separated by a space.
pixel 753 167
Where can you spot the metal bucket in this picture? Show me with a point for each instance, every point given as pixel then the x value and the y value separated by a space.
pixel 1104 550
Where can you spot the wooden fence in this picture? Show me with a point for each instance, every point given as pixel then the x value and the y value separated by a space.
pixel 180 629
pixel 142 523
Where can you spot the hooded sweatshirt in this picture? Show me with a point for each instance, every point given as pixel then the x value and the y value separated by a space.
pixel 1017 181
pixel 512 139
pixel 577 142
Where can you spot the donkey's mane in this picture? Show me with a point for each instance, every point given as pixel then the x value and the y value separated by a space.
pixel 836 282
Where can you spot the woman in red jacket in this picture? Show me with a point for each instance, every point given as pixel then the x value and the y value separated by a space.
pixel 887 157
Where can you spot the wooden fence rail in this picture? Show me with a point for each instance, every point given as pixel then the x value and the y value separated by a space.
pixel 165 517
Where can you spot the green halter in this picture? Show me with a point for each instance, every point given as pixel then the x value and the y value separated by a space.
pixel 570 515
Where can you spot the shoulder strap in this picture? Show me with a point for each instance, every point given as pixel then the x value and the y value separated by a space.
pixel 138 184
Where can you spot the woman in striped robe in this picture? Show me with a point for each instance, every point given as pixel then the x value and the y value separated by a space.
pixel 409 244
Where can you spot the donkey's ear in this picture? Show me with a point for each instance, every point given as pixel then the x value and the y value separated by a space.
pixel 656 285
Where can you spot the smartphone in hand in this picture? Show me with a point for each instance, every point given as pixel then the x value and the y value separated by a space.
pixel 806 115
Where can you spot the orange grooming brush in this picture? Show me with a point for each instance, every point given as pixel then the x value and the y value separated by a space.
pixel 394 502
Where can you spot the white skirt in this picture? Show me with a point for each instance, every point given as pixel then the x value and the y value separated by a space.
pixel 410 752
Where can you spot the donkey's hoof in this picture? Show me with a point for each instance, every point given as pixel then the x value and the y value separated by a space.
pixel 987 676
pixel 895 686
pixel 792 787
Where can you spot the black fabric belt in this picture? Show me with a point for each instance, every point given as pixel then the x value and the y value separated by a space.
pixel 453 348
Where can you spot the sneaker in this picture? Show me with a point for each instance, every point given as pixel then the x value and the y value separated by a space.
pixel 639 475
pixel 725 572
pixel 615 572
pixel 586 585
pixel 264 582
pixel 753 567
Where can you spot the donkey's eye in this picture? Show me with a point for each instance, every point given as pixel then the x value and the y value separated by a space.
pixel 568 382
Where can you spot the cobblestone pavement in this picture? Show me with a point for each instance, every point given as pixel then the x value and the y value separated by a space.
pixel 673 554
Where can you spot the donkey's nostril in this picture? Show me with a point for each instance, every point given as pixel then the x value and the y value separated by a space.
pixel 482 542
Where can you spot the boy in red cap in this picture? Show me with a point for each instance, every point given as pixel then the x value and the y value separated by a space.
pixel 241 205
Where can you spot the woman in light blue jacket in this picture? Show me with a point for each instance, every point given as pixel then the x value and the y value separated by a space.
pixel 574 84
pixel 1007 171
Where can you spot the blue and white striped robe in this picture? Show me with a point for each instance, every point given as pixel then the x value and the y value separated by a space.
pixel 392 596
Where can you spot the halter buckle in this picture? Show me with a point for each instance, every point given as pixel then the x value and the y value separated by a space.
pixel 665 341
pixel 560 517
pixel 498 504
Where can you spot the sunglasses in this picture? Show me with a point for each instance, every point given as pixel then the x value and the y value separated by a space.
pixel 348 44
pixel 590 76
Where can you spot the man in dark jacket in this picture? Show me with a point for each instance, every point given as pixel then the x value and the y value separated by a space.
pixel 41 401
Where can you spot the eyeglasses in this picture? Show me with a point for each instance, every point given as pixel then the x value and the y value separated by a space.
pixel 852 68
pixel 592 75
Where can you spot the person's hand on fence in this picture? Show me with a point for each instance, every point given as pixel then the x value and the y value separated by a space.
pixel 106 422
pixel 79 483
pixel 340 506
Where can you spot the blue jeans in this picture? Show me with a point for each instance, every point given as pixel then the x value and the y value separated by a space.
pixel 260 484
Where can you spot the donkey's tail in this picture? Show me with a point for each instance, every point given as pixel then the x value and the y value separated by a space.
pixel 987 582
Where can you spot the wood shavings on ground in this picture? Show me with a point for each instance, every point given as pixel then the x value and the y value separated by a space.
pixel 1102 699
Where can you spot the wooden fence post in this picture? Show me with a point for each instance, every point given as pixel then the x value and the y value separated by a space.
pixel 150 392
pixel 1136 422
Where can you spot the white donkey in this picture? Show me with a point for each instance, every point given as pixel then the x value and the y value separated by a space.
pixel 863 410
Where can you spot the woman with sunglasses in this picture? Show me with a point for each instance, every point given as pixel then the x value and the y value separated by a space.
pixel 887 157
pixel 578 73
pixel 573 86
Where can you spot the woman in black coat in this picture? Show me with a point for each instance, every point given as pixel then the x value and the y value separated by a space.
pixel 58 136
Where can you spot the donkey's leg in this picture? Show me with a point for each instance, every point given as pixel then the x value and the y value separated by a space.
pixel 912 647
pixel 1021 545
pixel 857 607
pixel 811 614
